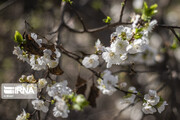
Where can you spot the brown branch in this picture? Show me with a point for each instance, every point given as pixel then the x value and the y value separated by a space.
pixel 123 4
pixel 168 27
pixel 79 17
pixel 128 92
pixel 39 115
pixel 111 26
pixel 64 51
pixel 85 29
pixel 62 9
pixel 175 34
pixel 78 60
pixel 7 4
pixel 96 29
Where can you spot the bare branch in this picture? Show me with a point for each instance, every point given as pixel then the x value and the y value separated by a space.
pixel 7 4
pixel 96 29
pixel 123 4
pixel 168 27
pixel 175 34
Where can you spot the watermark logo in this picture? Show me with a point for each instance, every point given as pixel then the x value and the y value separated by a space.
pixel 18 91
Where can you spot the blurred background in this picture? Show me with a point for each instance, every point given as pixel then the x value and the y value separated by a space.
pixel 161 73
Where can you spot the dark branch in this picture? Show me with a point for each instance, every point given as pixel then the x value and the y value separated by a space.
pixel 7 4
pixel 168 27
pixel 173 31
pixel 96 29
pixel 123 4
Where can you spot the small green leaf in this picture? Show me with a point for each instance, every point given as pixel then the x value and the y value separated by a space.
pixel 138 35
pixel 160 102
pixel 52 101
pixel 175 43
pixel 107 20
pixel 128 95
pixel 76 102
pixel 68 1
pixel 27 115
pixel 153 6
pixel 122 4
pixel 148 12
pixel 138 30
pixel 18 38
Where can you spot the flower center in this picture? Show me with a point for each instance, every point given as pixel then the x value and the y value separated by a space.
pixel 91 61
pixel 111 54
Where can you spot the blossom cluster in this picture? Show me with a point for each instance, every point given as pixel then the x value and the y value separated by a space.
pixel 108 83
pixel 41 83
pixel 62 94
pixel 152 102
pixel 49 58
pixel 57 91
pixel 125 40
pixel 23 116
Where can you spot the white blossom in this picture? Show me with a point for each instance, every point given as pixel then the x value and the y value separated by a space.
pixel 52 63
pixel 162 107
pixel 39 105
pixel 22 78
pixel 21 55
pixel 130 97
pixel 61 108
pixel 119 46
pixel 47 58
pixel 59 89
pixel 99 46
pixel 148 109
pixel 135 20
pixel 57 52
pixel 107 72
pixel 42 83
pixel 151 25
pixel 37 63
pixel 22 116
pixel 138 45
pixel 125 33
pixel 152 98
pixel 38 41
pixel 30 78
pixel 112 58
pixel 91 62
pixel 108 83
pixel 47 54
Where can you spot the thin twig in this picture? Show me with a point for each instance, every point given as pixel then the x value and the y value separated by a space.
pixel 96 29
pixel 7 4
pixel 123 4
pixel 79 17
pixel 173 31
pixel 168 27
pixel 63 50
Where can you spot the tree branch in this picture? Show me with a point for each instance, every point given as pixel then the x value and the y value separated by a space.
pixel 7 4
pixel 123 4
pixel 173 31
